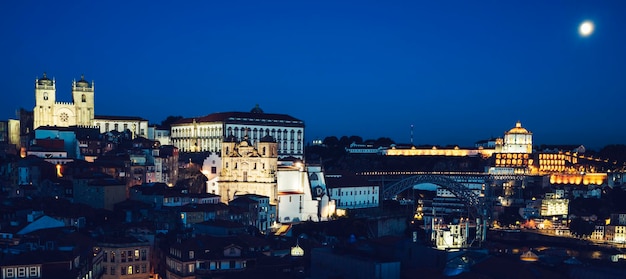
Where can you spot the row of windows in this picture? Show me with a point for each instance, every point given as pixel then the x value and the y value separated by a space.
pixel 238 133
pixel 355 203
pixel 126 270
pixel 21 272
pixel 360 192
pixel 124 256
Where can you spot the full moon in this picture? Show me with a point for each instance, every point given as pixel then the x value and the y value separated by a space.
pixel 586 28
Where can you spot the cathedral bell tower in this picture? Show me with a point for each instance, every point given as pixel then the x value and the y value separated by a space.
pixel 45 98
pixel 83 99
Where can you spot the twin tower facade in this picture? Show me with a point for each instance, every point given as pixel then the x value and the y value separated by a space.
pixel 49 112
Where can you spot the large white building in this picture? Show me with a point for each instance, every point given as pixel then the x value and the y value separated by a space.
pixel 302 194
pixel 136 125
pixel 49 112
pixel 207 133
pixel 350 191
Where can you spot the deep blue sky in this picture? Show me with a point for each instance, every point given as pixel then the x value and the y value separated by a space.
pixel 459 71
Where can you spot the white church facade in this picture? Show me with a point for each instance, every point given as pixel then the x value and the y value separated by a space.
pixel 81 111
pixel 49 112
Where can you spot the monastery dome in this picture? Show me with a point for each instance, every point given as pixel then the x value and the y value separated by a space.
pixel 518 129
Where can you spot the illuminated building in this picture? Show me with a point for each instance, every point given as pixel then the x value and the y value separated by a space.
pixel 615 233
pixel 207 133
pixel 248 169
pixel 136 125
pixel 49 112
pixel 512 154
pixel 350 191
pixel 302 194
pixel 126 257
pixel 555 204
pixel 517 140
pixel 438 151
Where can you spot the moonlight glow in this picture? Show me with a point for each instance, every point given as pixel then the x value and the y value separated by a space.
pixel 586 28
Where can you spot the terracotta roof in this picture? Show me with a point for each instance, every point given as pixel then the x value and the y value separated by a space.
pixel 111 117
pixel 245 117
pixel 347 180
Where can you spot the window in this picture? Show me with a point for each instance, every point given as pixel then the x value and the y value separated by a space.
pixel 130 256
pixel 115 126
pixel 105 256
pixel 136 254
pixel 83 98
pixel 112 270
pixel 112 258
pixel 130 269
pixel 45 96
pixel 214 170
pixel 10 272
pixel 191 255
pixel 190 268
pixel 143 268
pixel 143 254
pixel 33 272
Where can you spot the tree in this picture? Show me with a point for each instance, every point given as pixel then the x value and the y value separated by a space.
pixel 344 141
pixel 167 123
pixel 614 152
pixel 386 142
pixel 356 139
pixel 581 228
pixel 331 141
pixel 192 179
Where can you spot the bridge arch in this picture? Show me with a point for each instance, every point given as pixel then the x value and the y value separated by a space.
pixel 459 190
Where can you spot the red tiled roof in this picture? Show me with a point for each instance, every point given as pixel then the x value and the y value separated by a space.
pixel 111 117
pixel 238 117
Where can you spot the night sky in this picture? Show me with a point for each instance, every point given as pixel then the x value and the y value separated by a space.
pixel 459 71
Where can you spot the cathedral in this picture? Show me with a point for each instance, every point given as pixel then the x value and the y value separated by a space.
pixel 49 112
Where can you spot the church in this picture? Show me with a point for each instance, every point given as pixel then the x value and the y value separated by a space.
pixel 80 112
pixel 49 112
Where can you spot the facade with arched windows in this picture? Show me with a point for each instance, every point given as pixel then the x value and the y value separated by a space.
pixel 248 169
pixel 207 133
pixel 49 112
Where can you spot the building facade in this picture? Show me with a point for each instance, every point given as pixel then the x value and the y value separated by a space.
pixel 248 169
pixel 136 125
pixel 207 133
pixel 126 258
pixel 49 112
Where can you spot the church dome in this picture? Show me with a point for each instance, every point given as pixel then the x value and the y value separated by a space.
pixel 256 109
pixel 44 80
pixel 82 82
pixel 518 129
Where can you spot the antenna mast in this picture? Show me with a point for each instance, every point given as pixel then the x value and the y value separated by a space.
pixel 411 134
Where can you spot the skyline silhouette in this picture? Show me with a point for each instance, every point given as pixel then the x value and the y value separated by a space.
pixel 458 72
